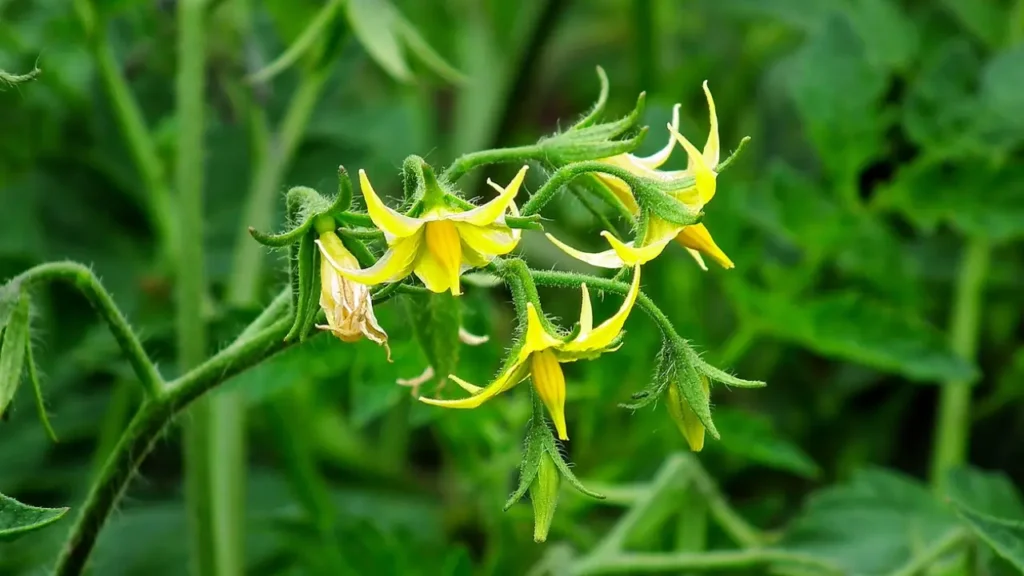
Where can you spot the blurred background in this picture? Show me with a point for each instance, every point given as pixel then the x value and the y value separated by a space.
pixel 874 220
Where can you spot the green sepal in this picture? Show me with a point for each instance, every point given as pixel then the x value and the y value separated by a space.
pixel 355 245
pixel 691 387
pixel 588 141
pixel 304 205
pixel 598 109
pixel 436 319
pixel 541 442
pixel 12 351
pixel 657 202
pixel 721 376
pixel 304 285
pixel 660 379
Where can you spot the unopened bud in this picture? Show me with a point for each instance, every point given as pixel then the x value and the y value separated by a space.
pixel 544 495
pixel 686 420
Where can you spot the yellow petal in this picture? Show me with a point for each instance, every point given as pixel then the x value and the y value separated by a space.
pixel 432 273
pixel 488 241
pixel 655 160
pixel 332 248
pixel 549 382
pixel 444 245
pixel 697 258
pixel 495 209
pixel 621 190
pixel 606 259
pixel 602 336
pixel 702 173
pixel 515 374
pixel 697 237
pixel 537 338
pixel 711 147
pixel 630 255
pixel 586 314
pixel 394 265
pixel 393 224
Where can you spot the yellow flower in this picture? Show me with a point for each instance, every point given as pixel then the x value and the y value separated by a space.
pixel 442 243
pixel 696 238
pixel 543 353
pixel 347 304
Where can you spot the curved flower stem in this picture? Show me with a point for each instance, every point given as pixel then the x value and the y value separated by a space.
pixel 463 164
pixel 567 174
pixel 155 414
pixel 81 278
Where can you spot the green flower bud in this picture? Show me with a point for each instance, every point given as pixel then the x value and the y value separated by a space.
pixel 683 415
pixel 544 496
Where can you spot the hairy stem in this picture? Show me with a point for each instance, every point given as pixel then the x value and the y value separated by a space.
pixel 567 174
pixel 83 279
pixel 149 423
pixel 463 164
pixel 952 426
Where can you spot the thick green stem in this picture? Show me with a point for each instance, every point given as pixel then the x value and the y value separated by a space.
pixel 149 423
pixel 952 426
pixel 133 128
pixel 82 279
pixel 215 550
pixel 567 174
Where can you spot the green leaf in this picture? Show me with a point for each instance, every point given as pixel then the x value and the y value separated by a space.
pixel 978 199
pixel 985 20
pixel 836 90
pixel 374 24
pixel 849 326
pixel 314 31
pixel 753 438
pixel 1002 99
pixel 874 524
pixel 890 37
pixel 940 108
pixel 1006 537
pixel 12 351
pixel 17 519
pixel 436 319
pixel 986 492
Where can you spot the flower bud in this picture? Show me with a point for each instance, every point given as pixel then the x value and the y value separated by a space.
pixel 684 416
pixel 544 496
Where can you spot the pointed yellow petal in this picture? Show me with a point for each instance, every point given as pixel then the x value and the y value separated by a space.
pixel 697 258
pixel 494 210
pixel 393 224
pixel 488 241
pixel 606 259
pixel 549 382
pixel 506 380
pixel 586 314
pixel 394 265
pixel 537 338
pixel 432 273
pixel 655 160
pixel 711 147
pixel 445 247
pixel 631 255
pixel 703 174
pixel 621 190
pixel 697 237
pixel 603 335
pixel 471 388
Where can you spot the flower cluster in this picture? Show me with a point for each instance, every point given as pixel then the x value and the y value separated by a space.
pixel 439 236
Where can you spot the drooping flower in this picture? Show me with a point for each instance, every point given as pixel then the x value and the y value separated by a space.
pixel 542 353
pixel 346 303
pixel 695 238
pixel 442 242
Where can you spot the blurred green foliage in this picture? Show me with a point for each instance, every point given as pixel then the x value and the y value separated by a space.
pixel 887 137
